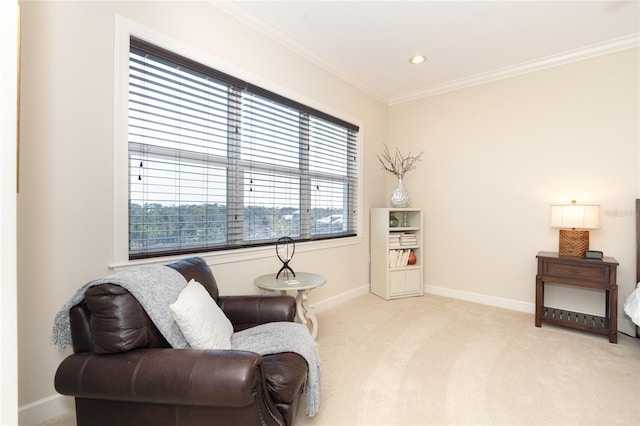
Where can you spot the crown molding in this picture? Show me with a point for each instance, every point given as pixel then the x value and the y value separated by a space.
pixel 263 26
pixel 236 10
pixel 574 55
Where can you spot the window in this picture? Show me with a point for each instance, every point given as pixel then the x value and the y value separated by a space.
pixel 217 163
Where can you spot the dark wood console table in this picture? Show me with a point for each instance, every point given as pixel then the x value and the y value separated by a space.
pixel 578 272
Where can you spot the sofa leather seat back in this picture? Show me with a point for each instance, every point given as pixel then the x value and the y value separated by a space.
pixel 123 371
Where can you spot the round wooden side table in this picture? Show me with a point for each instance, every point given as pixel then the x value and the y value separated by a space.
pixel 303 283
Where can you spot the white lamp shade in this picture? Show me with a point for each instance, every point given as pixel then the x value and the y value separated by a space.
pixel 575 216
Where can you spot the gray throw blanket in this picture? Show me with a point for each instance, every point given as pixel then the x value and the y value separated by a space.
pixel 276 337
pixel 155 287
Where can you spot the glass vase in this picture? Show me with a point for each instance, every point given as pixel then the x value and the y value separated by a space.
pixel 393 221
pixel 400 196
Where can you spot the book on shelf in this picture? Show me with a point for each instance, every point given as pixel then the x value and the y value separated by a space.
pixel 398 258
pixel 408 240
pixel 398 239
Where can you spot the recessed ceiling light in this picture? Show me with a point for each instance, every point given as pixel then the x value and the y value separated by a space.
pixel 418 59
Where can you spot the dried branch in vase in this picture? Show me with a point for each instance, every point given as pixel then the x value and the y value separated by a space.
pixel 397 164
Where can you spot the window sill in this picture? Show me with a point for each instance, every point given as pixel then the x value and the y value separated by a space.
pixel 240 255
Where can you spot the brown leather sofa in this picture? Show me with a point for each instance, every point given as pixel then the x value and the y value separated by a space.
pixel 123 371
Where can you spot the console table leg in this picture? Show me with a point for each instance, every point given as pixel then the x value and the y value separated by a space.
pixel 539 300
pixel 613 313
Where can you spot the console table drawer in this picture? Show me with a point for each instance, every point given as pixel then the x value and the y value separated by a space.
pixel 596 272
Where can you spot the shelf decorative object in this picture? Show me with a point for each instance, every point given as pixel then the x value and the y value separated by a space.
pixel 400 196
pixel 285 248
pixel 393 221
pixel 398 165
pixel 405 219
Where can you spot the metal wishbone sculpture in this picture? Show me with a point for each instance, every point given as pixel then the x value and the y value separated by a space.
pixel 285 247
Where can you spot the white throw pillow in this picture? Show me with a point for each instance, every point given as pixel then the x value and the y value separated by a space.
pixel 200 319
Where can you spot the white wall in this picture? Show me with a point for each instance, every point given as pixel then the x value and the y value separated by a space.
pixel 499 154
pixel 8 152
pixel 66 219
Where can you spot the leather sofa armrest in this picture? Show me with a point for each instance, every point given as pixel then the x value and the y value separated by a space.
pixel 251 310
pixel 224 378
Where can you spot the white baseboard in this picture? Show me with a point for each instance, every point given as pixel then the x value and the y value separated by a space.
pixel 340 298
pixel 625 325
pixel 48 408
pixel 499 302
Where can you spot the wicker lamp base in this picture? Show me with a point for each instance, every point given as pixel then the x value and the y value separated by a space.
pixel 573 242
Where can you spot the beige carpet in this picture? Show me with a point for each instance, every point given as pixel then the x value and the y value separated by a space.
pixel 437 361
pixel 440 361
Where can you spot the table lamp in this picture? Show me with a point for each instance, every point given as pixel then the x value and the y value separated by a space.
pixel 575 221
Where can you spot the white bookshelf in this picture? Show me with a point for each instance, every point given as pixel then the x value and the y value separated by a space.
pixel 391 277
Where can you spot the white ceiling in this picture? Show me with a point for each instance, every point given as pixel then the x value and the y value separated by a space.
pixel 369 43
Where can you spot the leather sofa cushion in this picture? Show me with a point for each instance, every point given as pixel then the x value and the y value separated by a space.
pixel 285 374
pixel 79 316
pixel 196 268
pixel 118 323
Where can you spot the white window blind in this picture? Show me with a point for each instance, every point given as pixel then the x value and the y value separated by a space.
pixel 217 163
